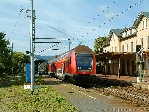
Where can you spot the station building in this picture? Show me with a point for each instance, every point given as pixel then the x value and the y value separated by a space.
pixel 119 52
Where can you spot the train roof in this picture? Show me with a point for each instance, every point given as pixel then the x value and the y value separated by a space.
pixel 78 49
pixel 52 60
pixel 83 49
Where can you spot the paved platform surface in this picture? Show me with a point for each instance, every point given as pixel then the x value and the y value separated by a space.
pixel 128 79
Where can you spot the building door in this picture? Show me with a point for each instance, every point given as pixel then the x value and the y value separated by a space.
pixel 148 65
pixel 128 67
pixel 113 67
pixel 132 67
pixel 123 67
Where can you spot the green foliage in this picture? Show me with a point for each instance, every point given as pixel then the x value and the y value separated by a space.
pixel 45 99
pixel 5 56
pixel 14 98
pixel 99 44
pixel 10 63
pixel 18 61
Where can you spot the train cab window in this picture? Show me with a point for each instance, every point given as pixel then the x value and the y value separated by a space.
pixel 84 61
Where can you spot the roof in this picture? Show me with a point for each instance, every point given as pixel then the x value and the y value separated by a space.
pixel 83 49
pixel 117 32
pixel 126 29
pixel 141 14
pixel 78 49
pixel 146 14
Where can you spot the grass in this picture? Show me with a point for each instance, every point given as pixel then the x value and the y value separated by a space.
pixel 14 98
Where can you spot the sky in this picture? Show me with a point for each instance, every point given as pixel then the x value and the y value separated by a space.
pixel 81 21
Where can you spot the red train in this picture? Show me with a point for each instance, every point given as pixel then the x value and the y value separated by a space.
pixel 77 65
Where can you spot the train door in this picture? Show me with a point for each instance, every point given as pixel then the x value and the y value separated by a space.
pixel 63 67
pixel 67 66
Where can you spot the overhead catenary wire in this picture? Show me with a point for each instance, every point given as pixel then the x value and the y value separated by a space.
pixel 16 23
pixel 52 27
pixel 111 18
pixel 77 30
pixel 19 22
pixel 94 18
pixel 131 6
pixel 72 32
pixel 114 17
pixel 104 35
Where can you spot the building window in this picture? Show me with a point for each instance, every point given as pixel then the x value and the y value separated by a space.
pixel 112 49
pixel 130 31
pixel 143 24
pixel 113 37
pixel 125 33
pixel 127 47
pixel 115 49
pixel 131 46
pixel 122 48
pixel 142 42
pixel 146 23
pixel 148 42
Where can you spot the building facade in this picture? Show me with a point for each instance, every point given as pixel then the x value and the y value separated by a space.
pixel 119 53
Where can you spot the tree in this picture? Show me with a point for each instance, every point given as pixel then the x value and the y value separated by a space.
pixel 98 47
pixel 5 55
pixel 11 63
pixel 18 61
pixel 99 44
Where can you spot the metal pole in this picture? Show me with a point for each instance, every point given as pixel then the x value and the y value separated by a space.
pixel 11 58
pixel 32 50
pixel 69 43
pixel 139 62
pixel 140 66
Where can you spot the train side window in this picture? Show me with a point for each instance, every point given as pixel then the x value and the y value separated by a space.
pixel 67 63
pixel 70 60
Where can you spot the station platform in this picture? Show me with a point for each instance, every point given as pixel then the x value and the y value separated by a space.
pixel 127 79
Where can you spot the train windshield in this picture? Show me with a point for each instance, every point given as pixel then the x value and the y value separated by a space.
pixel 84 61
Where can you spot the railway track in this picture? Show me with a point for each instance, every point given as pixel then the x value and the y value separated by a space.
pixel 136 96
pixel 102 96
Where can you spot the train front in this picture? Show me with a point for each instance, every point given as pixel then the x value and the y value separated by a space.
pixel 85 67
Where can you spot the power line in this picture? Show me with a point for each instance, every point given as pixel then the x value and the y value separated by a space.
pixel 94 18
pixel 116 16
pixel 53 28
pixel 131 6
pixel 80 28
pixel 17 23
